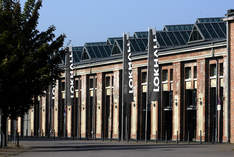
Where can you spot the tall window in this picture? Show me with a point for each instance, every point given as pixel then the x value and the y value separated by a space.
pixel 171 74
pixel 195 72
pixel 213 70
pixel 221 69
pixel 62 86
pixel 165 75
pixel 108 81
pixel 188 73
pixel 90 83
pixel 144 77
pixel 76 84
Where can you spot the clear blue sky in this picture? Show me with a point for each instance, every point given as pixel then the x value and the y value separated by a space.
pixel 96 20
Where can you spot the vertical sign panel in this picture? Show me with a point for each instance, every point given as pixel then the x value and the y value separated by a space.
pixel 153 76
pixel 69 77
pixel 153 79
pixel 69 90
pixel 127 92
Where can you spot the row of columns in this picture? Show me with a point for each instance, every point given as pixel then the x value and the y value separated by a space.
pixel 176 108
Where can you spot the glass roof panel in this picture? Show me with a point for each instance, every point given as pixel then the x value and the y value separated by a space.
pixel 203 30
pixel 95 44
pixel 85 55
pixel 223 27
pixel 96 51
pixel 102 51
pixel 115 50
pixel 91 52
pixel 218 30
pixel 160 40
pixel 141 44
pixel 166 39
pixel 185 36
pixel 108 50
pixel 120 42
pixel 173 39
pixel 134 45
pixel 112 40
pixel 179 37
pixel 144 42
pixel 209 20
pixel 211 30
pixel 178 27
pixel 141 34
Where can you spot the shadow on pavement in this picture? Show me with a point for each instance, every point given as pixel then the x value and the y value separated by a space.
pixel 63 148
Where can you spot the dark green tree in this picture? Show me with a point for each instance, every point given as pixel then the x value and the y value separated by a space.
pixel 29 58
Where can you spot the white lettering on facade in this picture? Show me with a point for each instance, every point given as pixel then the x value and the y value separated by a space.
pixel 130 74
pixel 156 66
pixel 71 76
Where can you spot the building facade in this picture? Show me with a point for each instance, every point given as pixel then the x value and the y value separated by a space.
pixel 196 101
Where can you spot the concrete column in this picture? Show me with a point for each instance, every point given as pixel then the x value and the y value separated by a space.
pixel 201 98
pixel 134 105
pixel 177 85
pixel 117 101
pixel 83 105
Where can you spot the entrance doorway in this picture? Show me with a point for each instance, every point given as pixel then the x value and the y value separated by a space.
pixel 212 115
pixel 191 114
pixel 167 100
pixel 91 109
pixel 141 117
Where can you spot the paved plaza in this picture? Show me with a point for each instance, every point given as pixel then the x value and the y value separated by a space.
pixel 69 148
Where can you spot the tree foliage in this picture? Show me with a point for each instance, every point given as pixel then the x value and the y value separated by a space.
pixel 29 59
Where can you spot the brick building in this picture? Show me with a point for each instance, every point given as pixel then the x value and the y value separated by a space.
pixel 196 101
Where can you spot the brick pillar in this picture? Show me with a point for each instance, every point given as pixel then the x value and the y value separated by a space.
pixel 32 121
pixel 117 106
pixel 230 39
pixel 83 105
pixel 69 120
pixel 201 98
pixel 56 102
pixel 134 105
pixel 154 108
pixel 176 125
pixel 9 126
pixel 18 128
pixel 43 116
pixel 99 105
pixel 154 120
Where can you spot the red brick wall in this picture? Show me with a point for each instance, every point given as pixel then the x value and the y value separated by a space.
pixel 231 38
